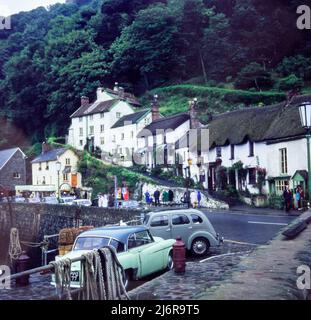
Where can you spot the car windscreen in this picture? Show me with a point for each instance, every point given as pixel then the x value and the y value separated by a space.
pixel 91 243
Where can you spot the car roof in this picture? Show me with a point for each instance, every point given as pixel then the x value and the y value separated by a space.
pixel 190 211
pixel 120 233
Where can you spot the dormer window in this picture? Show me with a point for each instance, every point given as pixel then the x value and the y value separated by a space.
pixel 251 148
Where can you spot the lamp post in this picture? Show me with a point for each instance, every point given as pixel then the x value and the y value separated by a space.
pixel 58 168
pixel 305 117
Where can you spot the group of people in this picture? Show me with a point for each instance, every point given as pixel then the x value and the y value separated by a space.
pixel 293 200
pixel 192 199
pixel 106 200
pixel 167 197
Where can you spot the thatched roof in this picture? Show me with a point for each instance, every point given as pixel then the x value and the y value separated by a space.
pixel 274 122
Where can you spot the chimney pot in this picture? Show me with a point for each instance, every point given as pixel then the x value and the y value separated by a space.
pixel 155 108
pixel 46 147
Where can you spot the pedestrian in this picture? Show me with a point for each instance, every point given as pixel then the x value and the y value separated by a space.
pixel 165 197
pixel 199 196
pixel 287 195
pixel 194 199
pixel 105 201
pixel 147 197
pixel 299 197
pixel 157 195
pixel 100 200
pixel 186 199
pixel 170 197
pixel 111 200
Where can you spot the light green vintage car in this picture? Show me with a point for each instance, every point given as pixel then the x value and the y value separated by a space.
pixel 139 253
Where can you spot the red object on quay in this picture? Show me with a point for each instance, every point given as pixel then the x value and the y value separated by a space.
pixel 179 256
pixel 22 264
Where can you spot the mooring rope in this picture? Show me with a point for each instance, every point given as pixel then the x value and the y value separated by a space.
pixel 62 270
pixel 15 249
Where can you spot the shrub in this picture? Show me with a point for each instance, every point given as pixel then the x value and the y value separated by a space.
pixel 292 82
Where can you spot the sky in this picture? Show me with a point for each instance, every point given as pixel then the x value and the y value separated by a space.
pixel 8 7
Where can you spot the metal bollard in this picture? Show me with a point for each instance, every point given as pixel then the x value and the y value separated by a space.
pixel 22 264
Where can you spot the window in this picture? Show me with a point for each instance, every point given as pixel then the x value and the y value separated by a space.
pixel 16 175
pixel 232 151
pixel 113 138
pixel 91 117
pixel 180 219
pixel 283 160
pixel 80 119
pixel 280 186
pixel 102 140
pixel 139 239
pixel 68 161
pixel 146 121
pixel 251 148
pixel 196 219
pixel 122 136
pixel 218 152
pixel 81 143
pixel 40 167
pixel 43 181
pixel 47 167
pixel 65 177
pixel 132 134
pixel 252 176
pixel 159 221
pixel 81 132
pixel 91 130
pixel 102 115
pixel 102 128
pixel 118 115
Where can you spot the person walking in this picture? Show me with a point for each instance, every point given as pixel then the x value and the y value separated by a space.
pixel 105 201
pixel 194 199
pixel 170 197
pixel 199 198
pixel 287 195
pixel 299 197
pixel 157 197
pixel 147 197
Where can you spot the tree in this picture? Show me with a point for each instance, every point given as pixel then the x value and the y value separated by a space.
pixel 253 76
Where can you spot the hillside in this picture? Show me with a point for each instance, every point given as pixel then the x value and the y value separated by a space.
pixel 235 53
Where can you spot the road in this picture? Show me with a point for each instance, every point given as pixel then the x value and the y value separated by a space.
pixel 250 228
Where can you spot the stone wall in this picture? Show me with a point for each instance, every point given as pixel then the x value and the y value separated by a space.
pixel 36 220
pixel 206 202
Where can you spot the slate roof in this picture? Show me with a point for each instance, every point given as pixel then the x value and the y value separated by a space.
pixel 128 97
pixel 51 155
pixel 172 123
pixel 130 119
pixel 93 108
pixel 6 155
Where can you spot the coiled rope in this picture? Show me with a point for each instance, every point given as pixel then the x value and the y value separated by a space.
pixel 62 269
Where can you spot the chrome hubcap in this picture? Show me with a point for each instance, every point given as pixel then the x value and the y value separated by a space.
pixel 199 247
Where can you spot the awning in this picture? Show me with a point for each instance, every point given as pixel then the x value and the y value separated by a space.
pixel 40 188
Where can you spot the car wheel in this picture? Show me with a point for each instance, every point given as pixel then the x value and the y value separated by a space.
pixel 200 247
pixel 170 262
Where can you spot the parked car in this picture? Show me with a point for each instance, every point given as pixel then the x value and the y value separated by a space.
pixel 67 200
pixel 50 200
pixel 82 202
pixel 138 251
pixel 191 225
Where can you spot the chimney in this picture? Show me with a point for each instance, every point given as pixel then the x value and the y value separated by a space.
pixel 155 108
pixel 99 93
pixel 46 147
pixel 85 101
pixel 116 87
pixel 194 122
pixel 121 93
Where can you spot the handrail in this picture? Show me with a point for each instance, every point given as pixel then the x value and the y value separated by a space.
pixel 51 267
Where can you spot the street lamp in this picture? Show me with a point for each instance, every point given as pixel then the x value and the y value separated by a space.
pixel 58 169
pixel 305 117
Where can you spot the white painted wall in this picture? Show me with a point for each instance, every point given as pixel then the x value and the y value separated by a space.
pixel 51 175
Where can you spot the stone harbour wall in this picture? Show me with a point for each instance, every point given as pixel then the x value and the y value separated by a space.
pixel 36 220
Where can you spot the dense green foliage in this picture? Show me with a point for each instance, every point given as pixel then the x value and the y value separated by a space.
pixel 52 57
